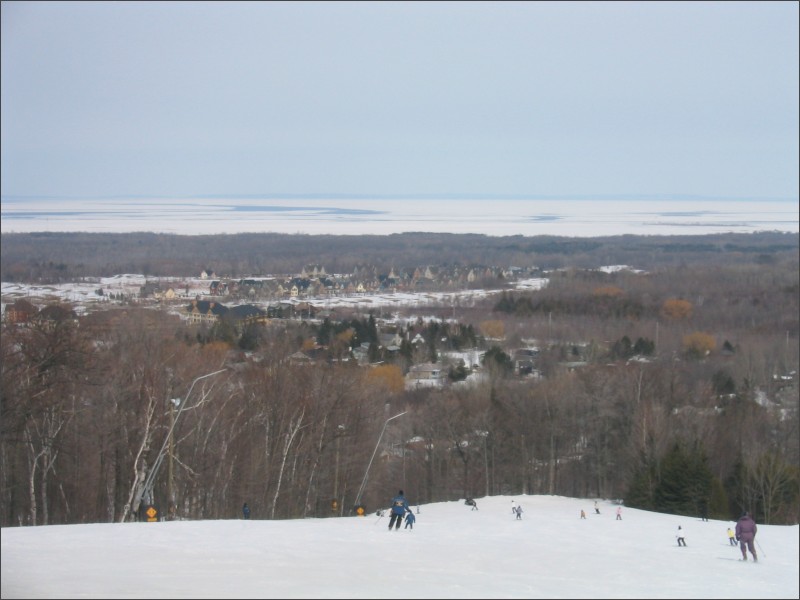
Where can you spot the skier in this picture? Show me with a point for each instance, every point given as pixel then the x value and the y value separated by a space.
pixel 746 534
pixel 399 508
pixel 246 511
pixel 583 514
pixel 513 507
pixel 680 537
pixel 731 537
pixel 619 513
pixel 519 512
pixel 410 518
pixel 471 502
pixel 596 509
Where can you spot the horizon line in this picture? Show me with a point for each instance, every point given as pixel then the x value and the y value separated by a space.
pixel 418 196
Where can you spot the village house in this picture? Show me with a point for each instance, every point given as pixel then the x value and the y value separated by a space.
pixel 430 375
pixel 205 311
pixel 21 311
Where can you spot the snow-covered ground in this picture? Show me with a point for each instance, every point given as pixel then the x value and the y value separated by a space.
pixel 452 552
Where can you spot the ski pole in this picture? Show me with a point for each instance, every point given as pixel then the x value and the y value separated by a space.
pixel 761 550
pixel 380 516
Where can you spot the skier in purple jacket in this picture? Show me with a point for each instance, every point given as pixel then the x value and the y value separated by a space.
pixel 746 535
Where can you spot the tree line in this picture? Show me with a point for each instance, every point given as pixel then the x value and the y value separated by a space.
pixel 62 256
pixel 630 404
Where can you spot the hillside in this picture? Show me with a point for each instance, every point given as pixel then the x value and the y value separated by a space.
pixel 452 552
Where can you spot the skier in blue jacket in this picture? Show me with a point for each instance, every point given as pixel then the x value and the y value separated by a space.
pixel 410 518
pixel 399 508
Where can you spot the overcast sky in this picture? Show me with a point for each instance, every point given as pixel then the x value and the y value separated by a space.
pixel 373 98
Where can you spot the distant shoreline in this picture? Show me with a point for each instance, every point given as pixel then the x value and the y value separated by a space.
pixel 378 197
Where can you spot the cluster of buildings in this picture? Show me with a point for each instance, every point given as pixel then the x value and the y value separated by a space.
pixel 314 282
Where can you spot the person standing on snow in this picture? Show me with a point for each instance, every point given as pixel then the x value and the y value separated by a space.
pixel 746 534
pixel 731 537
pixel 619 513
pixel 410 518
pixel 513 507
pixel 399 509
pixel 680 537
pixel 246 511
pixel 519 512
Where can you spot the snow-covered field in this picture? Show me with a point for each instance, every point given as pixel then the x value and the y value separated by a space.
pixel 452 552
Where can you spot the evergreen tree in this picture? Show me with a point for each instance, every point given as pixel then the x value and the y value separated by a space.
pixel 251 334
pixel 373 353
pixel 671 495
pixel 641 487
pixel 433 355
pixel 459 372
pixel 622 348
pixel 644 347
pixel 324 332
pixel 372 330
pixel 723 383
pixel 699 477
pixel 718 504
pixel 498 361
pixel 685 484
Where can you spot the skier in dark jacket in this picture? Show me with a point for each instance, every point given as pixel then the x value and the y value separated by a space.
pixel 246 511
pixel 399 508
pixel 410 518
pixel 746 535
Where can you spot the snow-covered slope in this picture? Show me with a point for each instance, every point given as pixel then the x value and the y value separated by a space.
pixel 452 552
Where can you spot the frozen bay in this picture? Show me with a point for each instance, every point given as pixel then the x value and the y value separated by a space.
pixel 314 216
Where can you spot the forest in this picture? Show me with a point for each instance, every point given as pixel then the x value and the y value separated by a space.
pixel 670 386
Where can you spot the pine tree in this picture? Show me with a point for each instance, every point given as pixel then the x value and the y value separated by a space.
pixel 685 484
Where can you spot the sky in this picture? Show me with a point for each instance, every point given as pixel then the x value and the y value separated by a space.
pixel 502 99
pixel 451 552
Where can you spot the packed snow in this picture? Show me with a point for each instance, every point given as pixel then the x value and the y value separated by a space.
pixel 451 552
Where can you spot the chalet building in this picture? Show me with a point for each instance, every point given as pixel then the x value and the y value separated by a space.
pixel 218 288
pixel 524 360
pixel 304 310
pixel 361 353
pixel 154 290
pixel 430 375
pixel 300 358
pixel 54 315
pixel 247 313
pixel 21 311
pixel 390 341
pixel 205 311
